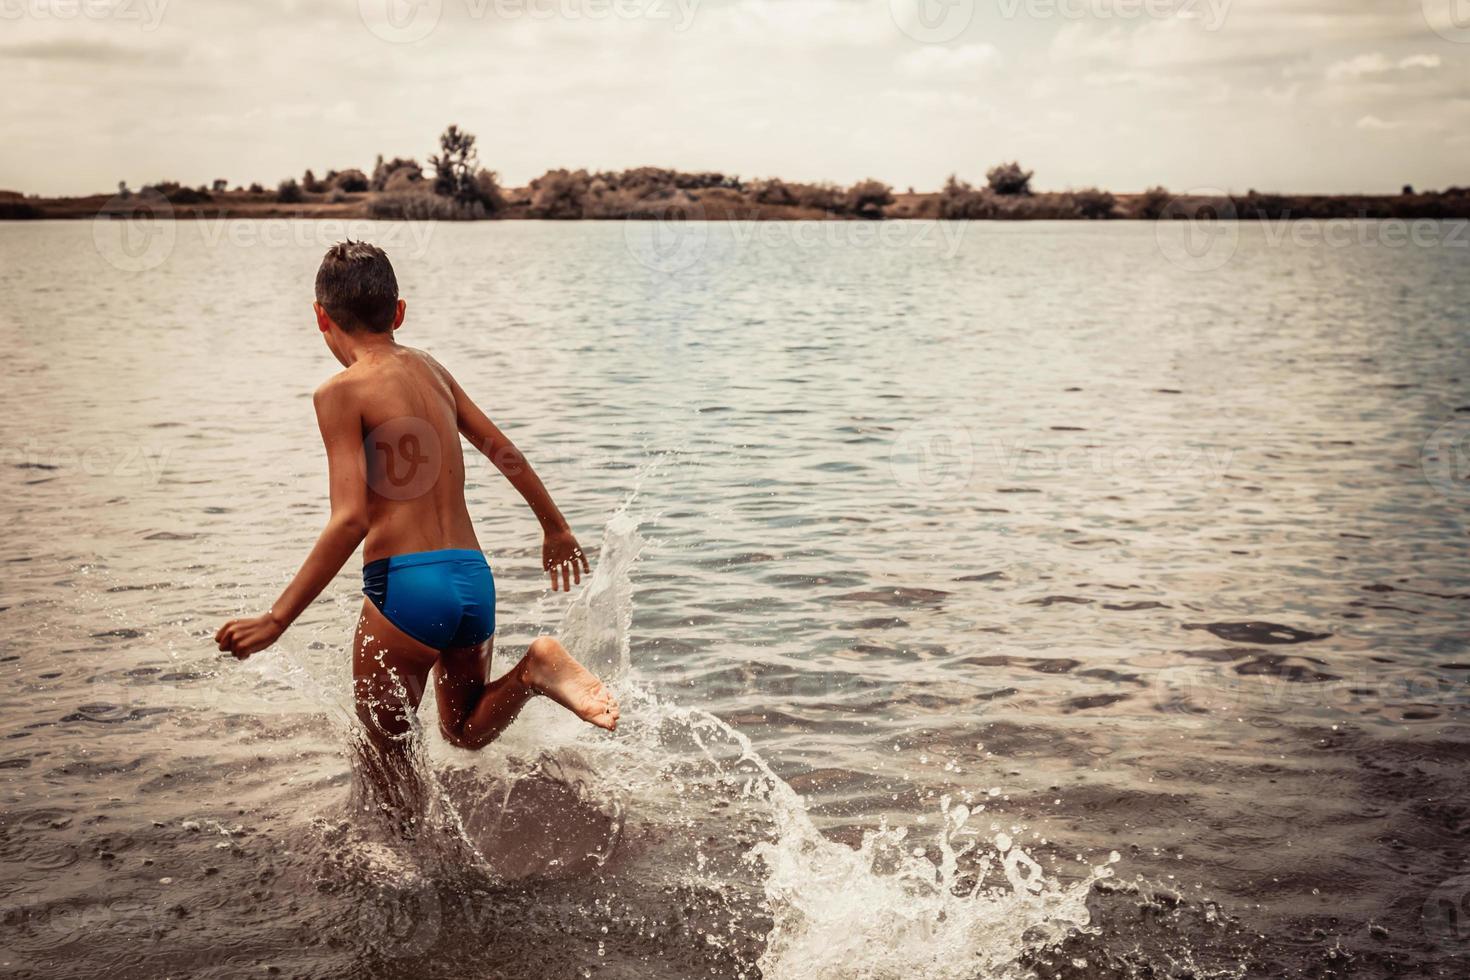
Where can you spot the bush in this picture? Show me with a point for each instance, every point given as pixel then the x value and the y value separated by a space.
pixel 398 171
pixel 773 191
pixel 1094 204
pixel 868 198
pixel 422 205
pixel 1152 203
pixel 176 193
pixel 560 194
pixel 311 185
pixel 487 183
pixel 350 181
pixel 1009 179
pixel 336 196
pixel 960 201
pixel 256 189
pixel 289 192
pixel 821 197
pixel 404 179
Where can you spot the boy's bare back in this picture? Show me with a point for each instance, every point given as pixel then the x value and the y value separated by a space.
pixel 408 413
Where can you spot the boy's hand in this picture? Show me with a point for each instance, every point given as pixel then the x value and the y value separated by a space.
pixel 561 553
pixel 242 637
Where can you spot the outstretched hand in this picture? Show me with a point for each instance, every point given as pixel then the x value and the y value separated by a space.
pixel 242 637
pixel 561 555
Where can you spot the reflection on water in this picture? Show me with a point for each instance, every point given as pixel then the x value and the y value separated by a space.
pixel 965 568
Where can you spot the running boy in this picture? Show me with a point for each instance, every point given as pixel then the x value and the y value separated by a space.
pixel 392 423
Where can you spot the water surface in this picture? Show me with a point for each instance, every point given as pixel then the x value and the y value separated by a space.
pixel 986 601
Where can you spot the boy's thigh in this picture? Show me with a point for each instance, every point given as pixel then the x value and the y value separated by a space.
pixel 459 681
pixel 389 671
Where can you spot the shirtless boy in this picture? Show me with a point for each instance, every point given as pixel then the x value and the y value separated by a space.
pixel 392 423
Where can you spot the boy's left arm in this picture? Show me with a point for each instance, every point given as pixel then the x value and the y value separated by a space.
pixel 341 426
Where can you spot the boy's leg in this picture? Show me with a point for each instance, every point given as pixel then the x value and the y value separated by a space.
pixel 473 712
pixel 389 671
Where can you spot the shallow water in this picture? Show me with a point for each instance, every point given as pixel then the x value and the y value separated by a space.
pixel 986 601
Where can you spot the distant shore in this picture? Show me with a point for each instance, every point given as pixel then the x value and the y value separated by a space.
pixel 729 204
pixel 453 186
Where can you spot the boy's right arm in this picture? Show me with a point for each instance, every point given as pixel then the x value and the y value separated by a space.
pixel 560 552
pixel 341 427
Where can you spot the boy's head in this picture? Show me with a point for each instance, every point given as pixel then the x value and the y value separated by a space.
pixel 356 289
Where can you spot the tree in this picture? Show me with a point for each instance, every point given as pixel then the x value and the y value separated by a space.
pixel 1092 203
pixel 868 198
pixel 1152 202
pixel 310 184
pixel 455 166
pixel 383 172
pixel 1009 179
pixel 349 181
pixel 560 194
pixel 289 192
pixel 959 201
pixel 220 185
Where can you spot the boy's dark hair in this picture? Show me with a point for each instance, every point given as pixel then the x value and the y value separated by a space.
pixel 356 286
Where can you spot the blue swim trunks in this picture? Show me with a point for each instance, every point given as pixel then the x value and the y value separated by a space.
pixel 444 599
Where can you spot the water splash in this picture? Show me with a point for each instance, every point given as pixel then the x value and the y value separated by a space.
pixel 818 908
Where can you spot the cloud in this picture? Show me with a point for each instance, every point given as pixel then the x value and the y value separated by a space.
pixel 935 62
pixel 1376 63
pixel 78 50
pixel 1373 122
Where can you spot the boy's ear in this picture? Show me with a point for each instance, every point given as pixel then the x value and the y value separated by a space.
pixel 323 321
pixel 398 317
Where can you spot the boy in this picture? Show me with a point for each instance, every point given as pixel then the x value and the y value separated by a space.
pixel 392 423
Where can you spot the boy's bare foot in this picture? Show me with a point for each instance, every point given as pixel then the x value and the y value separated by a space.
pixel 548 669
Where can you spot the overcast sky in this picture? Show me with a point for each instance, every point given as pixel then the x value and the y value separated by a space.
pixel 1290 95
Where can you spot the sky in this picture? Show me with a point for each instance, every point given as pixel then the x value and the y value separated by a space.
pixel 1329 96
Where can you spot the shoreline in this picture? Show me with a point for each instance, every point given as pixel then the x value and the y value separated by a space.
pixel 732 206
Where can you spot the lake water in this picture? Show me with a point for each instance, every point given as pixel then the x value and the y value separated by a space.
pixel 1058 600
